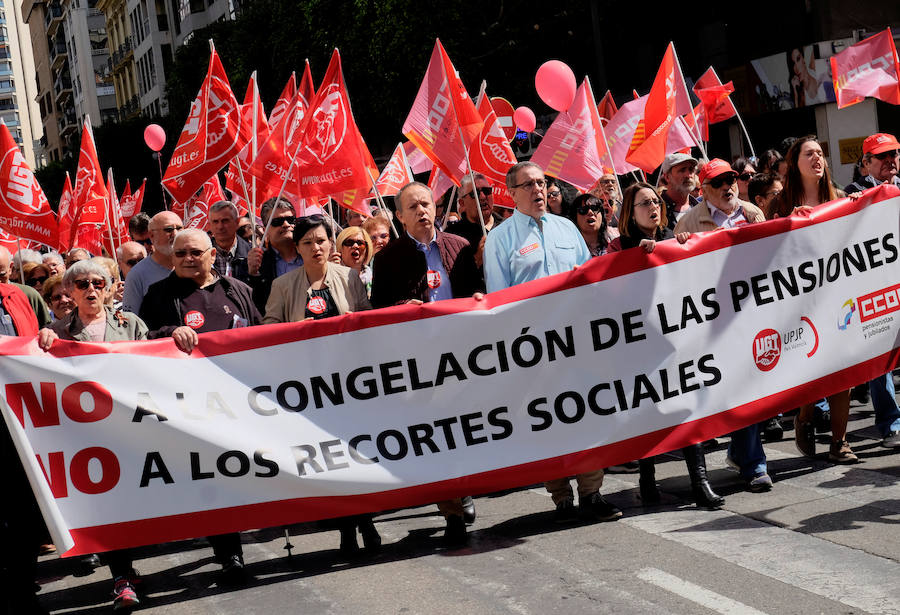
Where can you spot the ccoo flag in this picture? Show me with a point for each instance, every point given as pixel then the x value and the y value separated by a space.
pixel 868 68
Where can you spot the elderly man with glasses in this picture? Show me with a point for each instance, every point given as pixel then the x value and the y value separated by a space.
pixel 533 244
pixel 163 227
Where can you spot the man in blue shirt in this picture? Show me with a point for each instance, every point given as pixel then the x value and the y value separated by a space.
pixel 533 244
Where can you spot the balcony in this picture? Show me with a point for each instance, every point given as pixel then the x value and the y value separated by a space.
pixel 68 123
pixel 62 88
pixel 130 109
pixel 58 55
pixel 7 88
pixel 53 17
pixel 121 55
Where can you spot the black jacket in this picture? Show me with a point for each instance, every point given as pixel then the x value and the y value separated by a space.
pixel 239 269
pixel 162 307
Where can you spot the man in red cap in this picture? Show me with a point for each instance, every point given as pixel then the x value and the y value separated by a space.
pixel 721 208
pixel 881 155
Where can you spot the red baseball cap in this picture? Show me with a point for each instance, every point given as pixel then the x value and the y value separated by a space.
pixel 714 168
pixel 881 142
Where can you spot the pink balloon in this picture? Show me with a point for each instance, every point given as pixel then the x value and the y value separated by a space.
pixel 155 137
pixel 524 119
pixel 555 84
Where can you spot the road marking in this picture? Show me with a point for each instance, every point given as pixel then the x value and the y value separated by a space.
pixel 695 593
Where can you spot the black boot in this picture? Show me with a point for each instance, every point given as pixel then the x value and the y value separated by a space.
pixel 347 526
pixel 371 537
pixel 696 466
pixel 648 489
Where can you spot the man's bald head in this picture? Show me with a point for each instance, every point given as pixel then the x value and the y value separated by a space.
pixel 163 227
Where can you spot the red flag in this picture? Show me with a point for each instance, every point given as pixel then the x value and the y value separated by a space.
pixel 418 162
pixel 131 202
pixel 715 97
pixel 115 221
pixel 572 148
pixel 491 154
pixel 307 88
pixel 88 237
pixel 868 68
pixel 668 99
pixel 233 175
pixel 332 155
pixel 65 214
pixel 607 108
pixel 195 211
pixel 284 101
pixel 443 120
pixel 620 131
pixel 699 112
pixel 24 210
pixel 91 195
pixel 354 200
pixel 8 241
pixel 210 138
pixel 502 197
pixel 395 175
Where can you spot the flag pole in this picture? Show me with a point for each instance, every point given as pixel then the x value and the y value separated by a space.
pixel 612 164
pixel 738 115
pixel 287 176
pixel 112 241
pixel 684 85
pixel 450 206
pixel 254 146
pixel 21 270
pixel 462 141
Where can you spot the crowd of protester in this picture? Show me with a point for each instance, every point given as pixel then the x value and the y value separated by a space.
pixel 284 268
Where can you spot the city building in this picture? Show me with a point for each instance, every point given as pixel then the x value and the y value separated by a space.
pixel 18 106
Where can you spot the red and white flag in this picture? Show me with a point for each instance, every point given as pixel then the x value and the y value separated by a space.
pixel 332 156
pixel 87 236
pixel 210 138
pixel 439 182
pixel 307 89
pixel 24 209
pixel 868 68
pixel 131 202
pixel 443 121
pixel 115 220
pixel 91 195
pixel 284 101
pixel 252 115
pixel 65 214
pixel 573 148
pixel 668 99
pixel 607 108
pixel 195 211
pixel 621 127
pixel 491 154
pixel 395 175
pixel 715 97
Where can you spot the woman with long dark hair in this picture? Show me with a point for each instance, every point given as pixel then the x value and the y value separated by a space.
pixel 589 215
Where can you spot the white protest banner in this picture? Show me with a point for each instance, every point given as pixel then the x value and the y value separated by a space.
pixel 628 356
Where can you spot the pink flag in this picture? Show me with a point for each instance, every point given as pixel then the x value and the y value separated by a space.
pixel 572 148
pixel 418 161
pixel 395 175
pixel 868 68
pixel 621 127
pixel 439 183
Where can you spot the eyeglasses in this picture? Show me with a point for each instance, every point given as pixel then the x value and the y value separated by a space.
pixel 146 241
pixel 745 177
pixel 169 229
pixel 195 252
pixel 352 243
pixel 99 284
pixel 718 182
pixel 584 209
pixel 131 262
pixel 35 281
pixel 540 183
pixel 277 222
pixel 649 203
pixel 554 194
pixel 885 155
pixel 483 191
pixel 773 193
pixel 244 228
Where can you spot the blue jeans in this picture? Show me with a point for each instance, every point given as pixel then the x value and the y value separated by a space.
pixel 887 413
pixel 747 450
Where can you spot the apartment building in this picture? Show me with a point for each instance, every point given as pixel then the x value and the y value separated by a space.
pixel 18 89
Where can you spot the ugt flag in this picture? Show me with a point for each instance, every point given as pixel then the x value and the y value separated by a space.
pixel 24 210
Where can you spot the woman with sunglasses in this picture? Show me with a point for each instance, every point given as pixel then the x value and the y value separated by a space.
pixel 35 275
pixel 642 224
pixel 356 252
pixel 589 215
pixel 93 320
pixel 556 200
pixel 807 183
pixel 745 170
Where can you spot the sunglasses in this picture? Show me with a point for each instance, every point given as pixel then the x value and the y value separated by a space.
pixel 244 228
pixel 584 209
pixel 649 202
pixel 131 262
pixel 277 222
pixel 352 243
pixel 146 242
pixel 554 193
pixel 745 177
pixel 83 284
pixel 195 253
pixel 886 155
pixel 721 180
pixel 484 191
pixel 35 281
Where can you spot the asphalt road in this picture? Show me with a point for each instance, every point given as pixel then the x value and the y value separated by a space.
pixel 824 540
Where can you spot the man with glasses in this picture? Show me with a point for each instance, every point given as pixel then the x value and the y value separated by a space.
pixel 881 155
pixel 195 299
pixel 280 257
pixel 721 208
pixel 162 229
pixel 128 255
pixel 533 244
pixel 679 172
pixel 231 250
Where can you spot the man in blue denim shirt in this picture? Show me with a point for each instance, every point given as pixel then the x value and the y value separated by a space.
pixel 533 244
